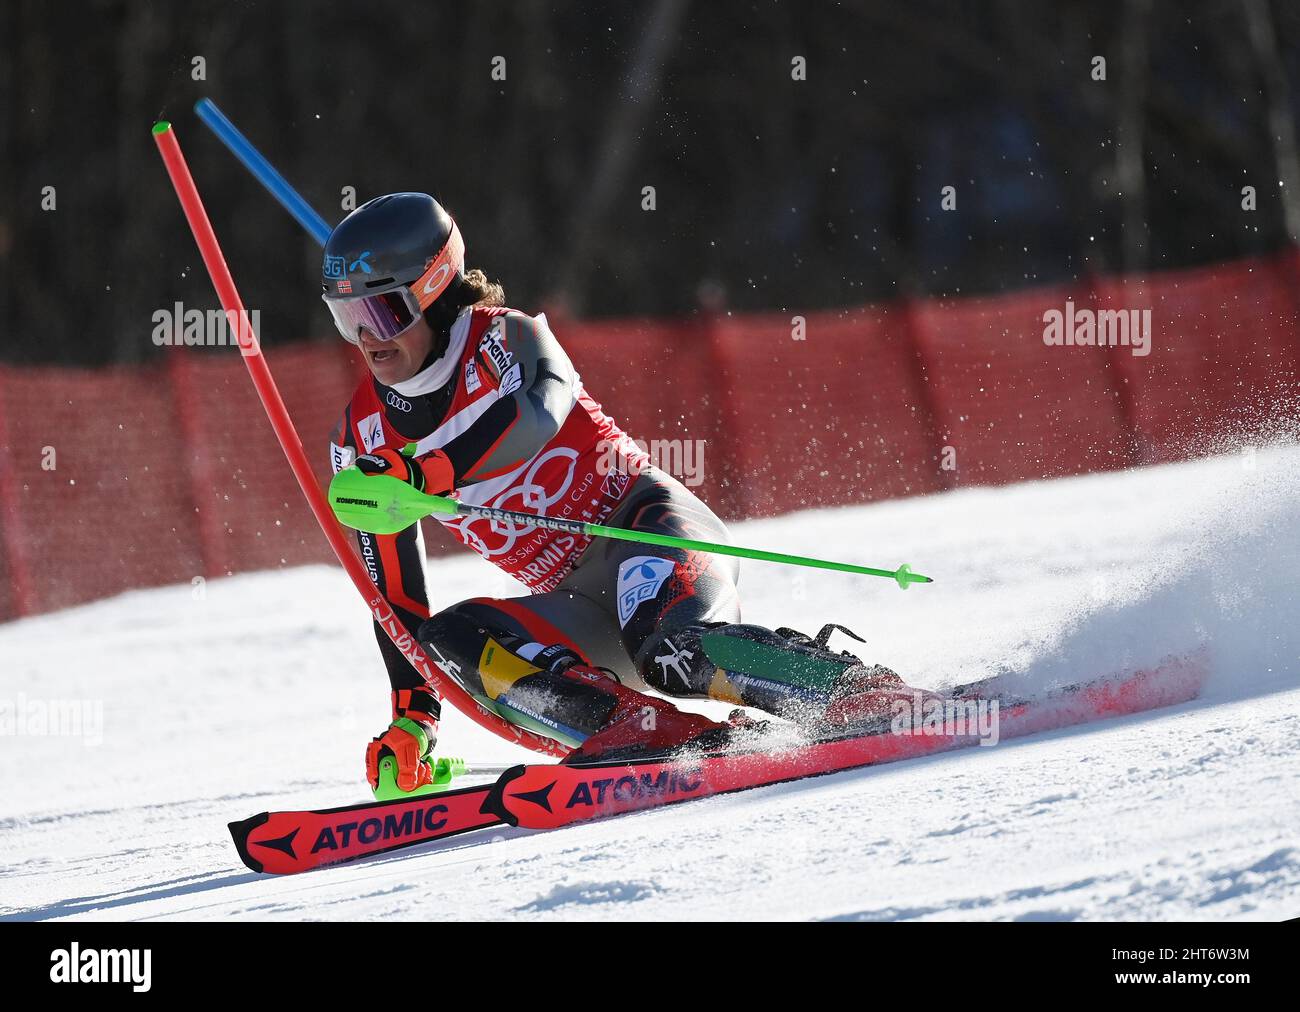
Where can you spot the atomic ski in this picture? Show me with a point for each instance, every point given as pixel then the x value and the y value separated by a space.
pixel 285 842
pixel 548 796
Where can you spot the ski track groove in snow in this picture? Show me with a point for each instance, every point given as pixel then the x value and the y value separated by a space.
pixel 1189 812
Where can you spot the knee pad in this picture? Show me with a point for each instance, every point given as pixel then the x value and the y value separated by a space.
pixel 454 642
pixel 489 657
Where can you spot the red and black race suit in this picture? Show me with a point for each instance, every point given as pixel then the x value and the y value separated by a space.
pixel 505 405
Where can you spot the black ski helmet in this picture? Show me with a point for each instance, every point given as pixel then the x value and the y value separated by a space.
pixel 400 239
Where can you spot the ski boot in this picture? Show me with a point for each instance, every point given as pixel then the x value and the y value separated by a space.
pixel 636 725
pixel 552 690
pixel 555 692
pixel 783 672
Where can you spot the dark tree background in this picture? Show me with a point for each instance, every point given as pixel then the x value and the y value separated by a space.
pixel 772 193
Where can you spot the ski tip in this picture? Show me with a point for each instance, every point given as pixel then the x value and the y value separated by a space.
pixel 239 832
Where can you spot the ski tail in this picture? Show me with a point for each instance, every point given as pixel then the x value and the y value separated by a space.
pixel 282 843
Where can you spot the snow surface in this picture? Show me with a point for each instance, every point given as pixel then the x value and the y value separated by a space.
pixel 258 692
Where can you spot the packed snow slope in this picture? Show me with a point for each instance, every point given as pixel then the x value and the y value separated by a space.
pixel 259 692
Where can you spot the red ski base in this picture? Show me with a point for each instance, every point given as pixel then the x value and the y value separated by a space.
pixel 554 795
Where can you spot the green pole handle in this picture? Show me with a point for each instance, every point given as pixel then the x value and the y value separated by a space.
pixel 445 770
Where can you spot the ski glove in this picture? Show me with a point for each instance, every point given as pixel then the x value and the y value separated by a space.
pixel 409 739
pixel 431 473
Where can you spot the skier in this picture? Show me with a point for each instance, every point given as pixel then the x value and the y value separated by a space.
pixel 469 398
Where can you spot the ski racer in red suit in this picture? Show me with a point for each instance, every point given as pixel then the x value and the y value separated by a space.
pixel 498 416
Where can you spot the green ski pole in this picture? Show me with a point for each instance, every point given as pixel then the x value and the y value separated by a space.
pixel 381 504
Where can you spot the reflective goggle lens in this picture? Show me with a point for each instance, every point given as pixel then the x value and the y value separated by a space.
pixel 386 316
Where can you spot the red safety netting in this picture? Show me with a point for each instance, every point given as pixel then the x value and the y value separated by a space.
pixel 99 496
pixel 1009 406
pixel 659 379
pixel 170 472
pixel 827 408
pixel 1224 356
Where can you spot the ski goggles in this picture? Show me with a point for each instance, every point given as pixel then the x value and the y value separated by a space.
pixel 391 314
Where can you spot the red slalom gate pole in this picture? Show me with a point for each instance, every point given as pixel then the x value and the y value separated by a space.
pixel 269 394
